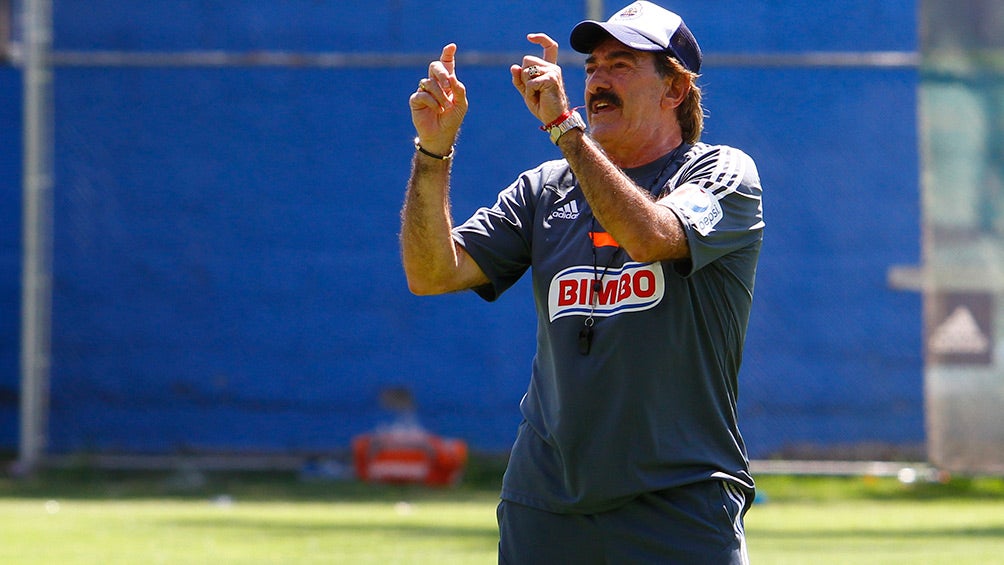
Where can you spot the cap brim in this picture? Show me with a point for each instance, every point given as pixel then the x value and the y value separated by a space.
pixel 587 35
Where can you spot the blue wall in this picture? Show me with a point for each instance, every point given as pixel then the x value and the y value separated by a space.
pixel 226 261
pixel 10 251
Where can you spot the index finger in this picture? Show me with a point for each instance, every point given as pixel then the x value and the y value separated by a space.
pixel 447 58
pixel 550 46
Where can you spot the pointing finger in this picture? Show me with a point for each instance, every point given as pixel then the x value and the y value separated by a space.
pixel 448 59
pixel 549 45
pixel 443 71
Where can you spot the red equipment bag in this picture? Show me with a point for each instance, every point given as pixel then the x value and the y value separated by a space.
pixel 408 456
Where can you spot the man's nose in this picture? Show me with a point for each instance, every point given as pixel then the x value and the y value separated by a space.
pixel 597 82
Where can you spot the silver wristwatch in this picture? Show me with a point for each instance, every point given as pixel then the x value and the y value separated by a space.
pixel 571 122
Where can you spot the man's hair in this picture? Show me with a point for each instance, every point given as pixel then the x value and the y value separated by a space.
pixel 690 113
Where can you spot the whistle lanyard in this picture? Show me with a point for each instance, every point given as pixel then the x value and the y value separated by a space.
pixel 586 333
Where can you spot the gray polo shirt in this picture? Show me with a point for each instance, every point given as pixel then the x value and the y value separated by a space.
pixel 653 403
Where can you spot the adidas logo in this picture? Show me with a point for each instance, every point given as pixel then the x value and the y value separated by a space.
pixel 569 211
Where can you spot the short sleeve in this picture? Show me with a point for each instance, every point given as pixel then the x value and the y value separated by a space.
pixel 499 237
pixel 718 198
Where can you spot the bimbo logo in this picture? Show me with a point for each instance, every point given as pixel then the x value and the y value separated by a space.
pixel 633 287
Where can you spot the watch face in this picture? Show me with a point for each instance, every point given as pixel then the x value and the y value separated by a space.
pixel 573 121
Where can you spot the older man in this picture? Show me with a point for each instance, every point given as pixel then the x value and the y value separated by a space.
pixel 644 245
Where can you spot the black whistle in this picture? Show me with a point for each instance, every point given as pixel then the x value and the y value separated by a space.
pixel 585 340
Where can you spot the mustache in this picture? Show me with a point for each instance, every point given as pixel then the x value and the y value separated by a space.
pixel 608 97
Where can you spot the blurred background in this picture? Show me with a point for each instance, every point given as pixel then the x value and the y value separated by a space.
pixel 198 250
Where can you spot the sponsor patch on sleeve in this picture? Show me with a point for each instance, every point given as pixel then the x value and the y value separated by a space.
pixel 699 207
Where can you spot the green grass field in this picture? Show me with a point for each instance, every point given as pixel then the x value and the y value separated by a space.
pixel 78 517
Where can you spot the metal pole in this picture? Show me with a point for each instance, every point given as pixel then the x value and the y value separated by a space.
pixel 36 275
pixel 594 10
pixel 4 30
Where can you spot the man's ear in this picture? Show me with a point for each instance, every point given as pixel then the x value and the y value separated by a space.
pixel 676 91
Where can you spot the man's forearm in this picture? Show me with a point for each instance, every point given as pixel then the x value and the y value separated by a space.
pixel 427 248
pixel 645 230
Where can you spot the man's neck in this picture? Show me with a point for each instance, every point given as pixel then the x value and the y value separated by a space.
pixel 633 154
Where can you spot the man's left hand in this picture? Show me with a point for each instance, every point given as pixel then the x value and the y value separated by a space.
pixel 539 80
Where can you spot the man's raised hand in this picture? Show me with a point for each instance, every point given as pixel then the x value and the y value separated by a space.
pixel 439 104
pixel 539 80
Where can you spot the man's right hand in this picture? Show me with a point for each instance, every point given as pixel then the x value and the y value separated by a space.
pixel 439 105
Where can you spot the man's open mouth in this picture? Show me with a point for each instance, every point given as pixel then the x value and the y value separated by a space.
pixel 603 102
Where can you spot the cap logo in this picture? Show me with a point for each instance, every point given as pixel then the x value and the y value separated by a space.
pixel 632 12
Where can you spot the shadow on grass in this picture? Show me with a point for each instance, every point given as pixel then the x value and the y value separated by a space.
pixel 286 528
pixel 789 488
pixel 482 477
pixel 881 534
pixel 87 484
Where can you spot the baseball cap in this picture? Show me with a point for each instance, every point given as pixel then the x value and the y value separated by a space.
pixel 643 26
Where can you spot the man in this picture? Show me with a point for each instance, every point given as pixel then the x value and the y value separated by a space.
pixel 644 244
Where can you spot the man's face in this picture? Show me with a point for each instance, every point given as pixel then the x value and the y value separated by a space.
pixel 624 92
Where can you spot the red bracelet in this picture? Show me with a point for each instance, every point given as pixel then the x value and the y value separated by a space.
pixel 568 114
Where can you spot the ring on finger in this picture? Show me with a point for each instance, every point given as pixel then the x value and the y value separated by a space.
pixel 421 86
pixel 533 71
